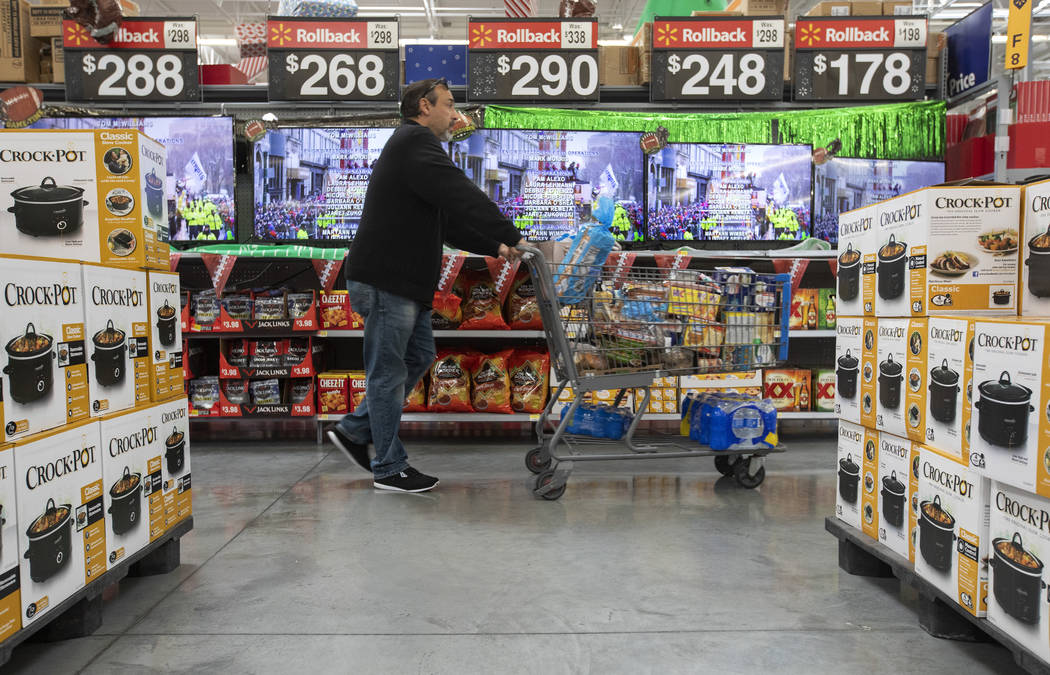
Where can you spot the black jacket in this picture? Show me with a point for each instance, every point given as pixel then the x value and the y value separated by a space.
pixel 416 200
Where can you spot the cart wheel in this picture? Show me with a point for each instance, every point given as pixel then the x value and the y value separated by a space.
pixel 533 462
pixel 726 464
pixel 744 478
pixel 546 478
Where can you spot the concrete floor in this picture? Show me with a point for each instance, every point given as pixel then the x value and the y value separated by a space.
pixel 296 564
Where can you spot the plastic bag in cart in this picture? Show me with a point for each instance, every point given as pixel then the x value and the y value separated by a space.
pixel 579 270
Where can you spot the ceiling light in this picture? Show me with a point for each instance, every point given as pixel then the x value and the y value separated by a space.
pixel 217 41
pixel 617 26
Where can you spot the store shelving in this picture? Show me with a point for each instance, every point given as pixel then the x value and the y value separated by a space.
pixel 813 334
pixel 442 334
pixel 475 417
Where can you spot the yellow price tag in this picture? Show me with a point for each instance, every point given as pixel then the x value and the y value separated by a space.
pixel 1018 34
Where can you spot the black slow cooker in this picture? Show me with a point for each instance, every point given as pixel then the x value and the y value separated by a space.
pixel 944 392
pixel 29 366
pixel 849 479
pixel 1017 582
pixel 891 375
pixel 1004 408
pixel 849 273
pixel 893 259
pixel 175 451
pixel 48 209
pixel 849 367
pixel 1038 263
pixel 166 318
pixel 126 495
pixel 154 193
pixel 110 357
pixel 50 541
pixel 893 500
pixel 936 534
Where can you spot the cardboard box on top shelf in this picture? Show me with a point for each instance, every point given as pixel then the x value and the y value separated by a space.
pixel 758 7
pixel 840 8
pixel 45 18
pixel 19 55
pixel 700 12
pixel 58 61
pixel 619 65
pixel 897 8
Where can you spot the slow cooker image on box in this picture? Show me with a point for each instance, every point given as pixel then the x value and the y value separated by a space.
pixel 1038 264
pixel 893 500
pixel 893 259
pixel 175 451
pixel 50 541
pixel 1018 580
pixel 936 534
pixel 166 318
pixel 849 273
pixel 154 193
pixel 943 392
pixel 126 507
pixel 48 209
pixel 110 357
pixel 849 479
pixel 1004 408
pixel 29 366
pixel 891 375
pixel 848 369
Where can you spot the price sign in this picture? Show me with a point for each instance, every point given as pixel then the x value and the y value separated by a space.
pixel 148 60
pixel 860 59
pixel 532 59
pixel 332 60
pixel 717 58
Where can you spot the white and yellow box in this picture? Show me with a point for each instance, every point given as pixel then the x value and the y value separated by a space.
pixel 869 373
pixel 1010 418
pixel 10 595
pixel 174 439
pixel 1034 292
pixel 849 348
pixel 948 249
pixel 132 475
pixel 953 530
pixel 856 272
pixel 900 407
pixel 1017 575
pixel 895 493
pixel 61 515
pixel 116 325
pixel 165 331
pixel 857 500
pixel 949 385
pixel 44 360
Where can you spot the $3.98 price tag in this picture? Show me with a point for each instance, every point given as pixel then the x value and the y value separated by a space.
pixel 334 60
pixel 148 60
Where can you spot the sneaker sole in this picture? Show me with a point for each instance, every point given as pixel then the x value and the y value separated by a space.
pixel 391 488
pixel 346 451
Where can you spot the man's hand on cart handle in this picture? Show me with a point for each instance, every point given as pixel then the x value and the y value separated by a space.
pixel 511 252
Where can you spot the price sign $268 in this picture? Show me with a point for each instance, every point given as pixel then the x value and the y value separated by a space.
pixel 337 73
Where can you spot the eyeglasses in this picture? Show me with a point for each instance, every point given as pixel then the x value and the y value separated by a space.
pixel 440 82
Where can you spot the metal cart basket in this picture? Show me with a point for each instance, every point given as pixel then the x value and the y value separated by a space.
pixel 620 323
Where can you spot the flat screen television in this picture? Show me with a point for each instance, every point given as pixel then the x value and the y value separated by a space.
pixel 545 181
pixel 845 183
pixel 310 183
pixel 200 173
pixel 719 192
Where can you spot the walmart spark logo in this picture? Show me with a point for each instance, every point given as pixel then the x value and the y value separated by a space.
pixel 480 36
pixel 808 35
pixel 280 34
pixel 666 35
pixel 76 35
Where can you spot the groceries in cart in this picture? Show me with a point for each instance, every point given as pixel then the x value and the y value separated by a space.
pixel 727 421
pixel 598 420
pixel 578 272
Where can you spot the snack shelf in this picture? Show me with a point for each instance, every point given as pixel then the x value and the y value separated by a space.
pixel 481 334
pixel 451 417
pixel 938 614
pixel 813 334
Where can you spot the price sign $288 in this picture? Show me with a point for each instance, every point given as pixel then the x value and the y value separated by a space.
pixel 136 75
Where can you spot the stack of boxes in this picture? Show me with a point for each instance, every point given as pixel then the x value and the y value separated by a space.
pixel 943 355
pixel 93 425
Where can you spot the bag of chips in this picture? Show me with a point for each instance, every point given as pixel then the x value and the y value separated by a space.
pixel 450 383
pixel 529 376
pixel 448 312
pixel 271 306
pixel 416 401
pixel 204 392
pixel 481 302
pixel 235 391
pixel 523 312
pixel 266 392
pixel 491 384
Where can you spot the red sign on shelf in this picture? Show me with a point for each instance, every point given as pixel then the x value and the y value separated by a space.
pixel 726 34
pixel 856 33
pixel 282 33
pixel 532 34
pixel 135 34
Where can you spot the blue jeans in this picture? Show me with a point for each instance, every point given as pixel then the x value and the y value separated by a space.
pixel 399 348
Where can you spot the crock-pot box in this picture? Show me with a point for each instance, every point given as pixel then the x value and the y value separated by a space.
pixel 165 331
pixel 948 249
pixel 915 468
pixel 173 442
pixel 1034 295
pixel 44 359
pixel 894 493
pixel 1010 415
pixel 61 515
pixel 849 351
pixel 116 325
pixel 132 456
pixel 949 385
pixel 10 596
pixel 900 405
pixel 869 373
pixel 856 500
pixel 952 543
pixel 49 205
pixel 856 274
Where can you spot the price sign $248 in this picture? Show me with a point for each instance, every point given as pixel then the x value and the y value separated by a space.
pixel 750 81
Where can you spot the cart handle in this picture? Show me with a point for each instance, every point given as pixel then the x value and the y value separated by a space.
pixel 532 252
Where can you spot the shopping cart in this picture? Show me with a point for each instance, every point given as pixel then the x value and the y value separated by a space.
pixel 611 326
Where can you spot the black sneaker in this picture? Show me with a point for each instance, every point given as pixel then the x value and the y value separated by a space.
pixel 408 480
pixel 355 452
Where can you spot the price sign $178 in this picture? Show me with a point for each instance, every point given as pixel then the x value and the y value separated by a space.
pixel 555 73
pixel 895 68
pixel 136 74
pixel 337 73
